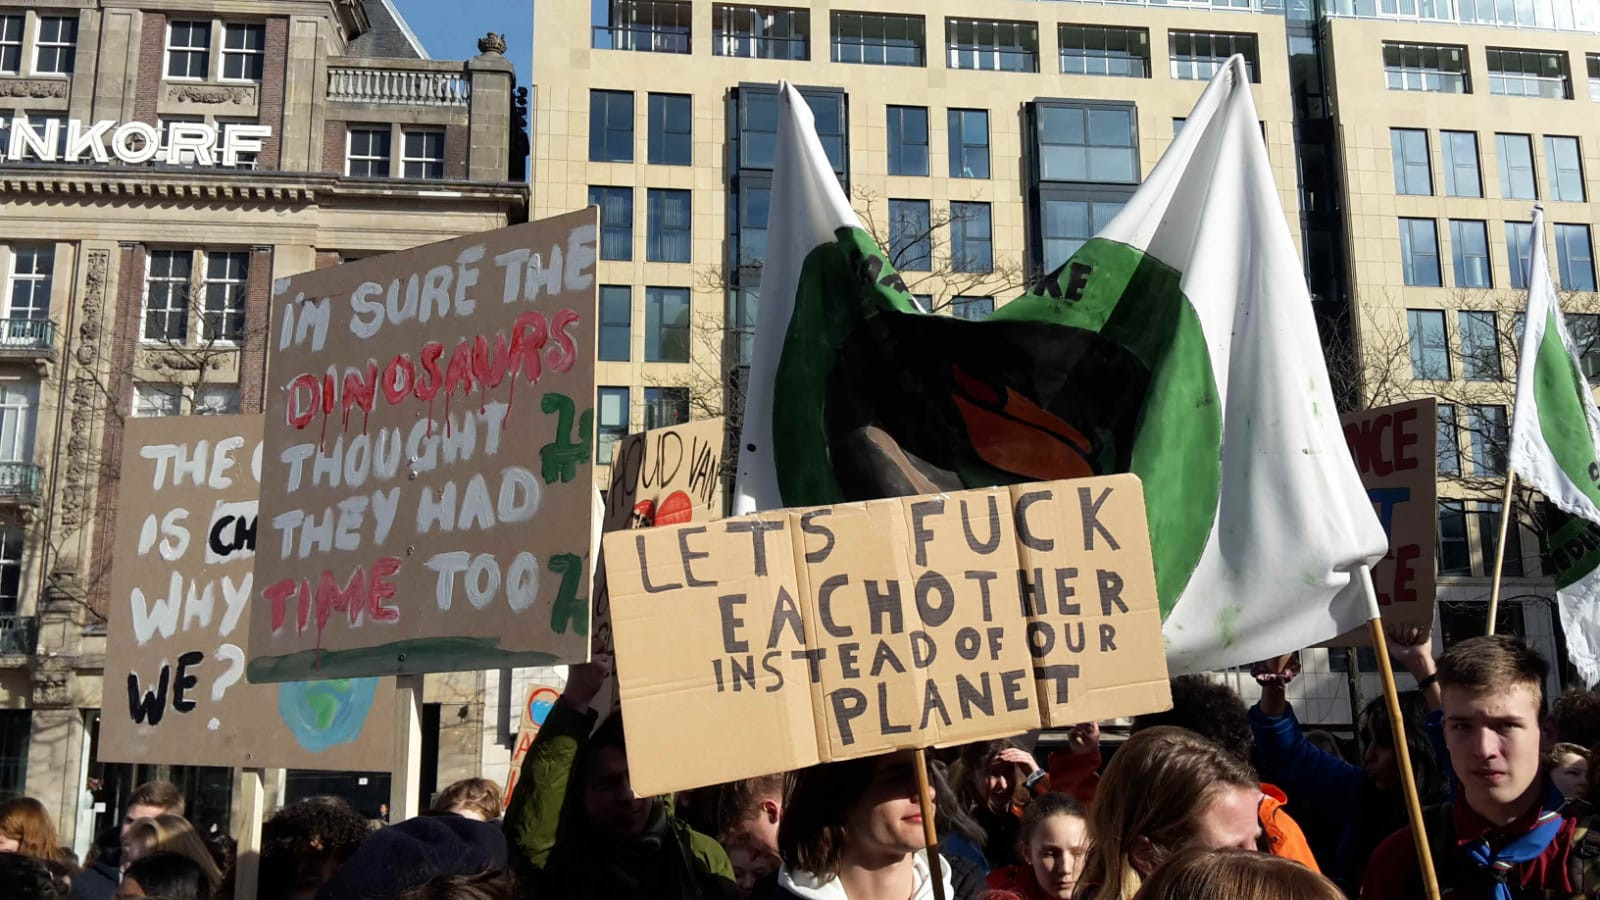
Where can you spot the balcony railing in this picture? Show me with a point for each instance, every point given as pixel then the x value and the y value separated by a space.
pixel 27 337
pixel 401 87
pixel 19 635
pixel 19 482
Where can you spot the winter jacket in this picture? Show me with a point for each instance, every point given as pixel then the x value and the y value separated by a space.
pixel 1018 880
pixel 556 856
pixel 1075 774
pixel 1394 873
pixel 804 886
pixel 100 880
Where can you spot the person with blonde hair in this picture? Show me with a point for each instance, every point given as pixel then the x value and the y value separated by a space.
pixel 1202 874
pixel 474 798
pixel 25 828
pixel 168 833
pixel 1166 789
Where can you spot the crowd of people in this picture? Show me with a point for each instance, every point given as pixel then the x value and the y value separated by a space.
pixel 1212 800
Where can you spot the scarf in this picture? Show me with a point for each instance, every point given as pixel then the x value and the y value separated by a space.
pixel 1525 848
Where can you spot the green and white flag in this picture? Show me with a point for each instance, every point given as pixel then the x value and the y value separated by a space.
pixel 1178 344
pixel 1553 441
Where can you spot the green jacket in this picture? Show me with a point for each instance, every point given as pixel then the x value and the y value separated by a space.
pixel 556 857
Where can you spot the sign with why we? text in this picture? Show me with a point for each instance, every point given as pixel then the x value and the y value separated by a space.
pixel 811 635
pixel 182 587
pixel 427 485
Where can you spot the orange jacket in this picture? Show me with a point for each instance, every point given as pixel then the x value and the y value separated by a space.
pixel 1075 774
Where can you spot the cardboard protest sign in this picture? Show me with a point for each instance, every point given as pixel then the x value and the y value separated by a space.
pixel 181 586
pixel 1396 451
pixel 811 635
pixel 664 476
pixel 541 697
pixel 427 489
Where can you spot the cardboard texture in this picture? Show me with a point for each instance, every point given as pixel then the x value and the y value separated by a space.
pixel 772 642
pixel 176 643
pixel 534 709
pixel 665 476
pixel 1396 451
pixel 427 490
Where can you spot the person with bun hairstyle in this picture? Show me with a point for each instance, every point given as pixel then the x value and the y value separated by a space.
pixel 1202 874
pixel 1052 841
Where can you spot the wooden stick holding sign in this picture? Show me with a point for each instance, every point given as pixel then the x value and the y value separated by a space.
pixel 930 829
pixel 1500 551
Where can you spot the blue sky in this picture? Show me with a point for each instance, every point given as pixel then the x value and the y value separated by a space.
pixel 450 29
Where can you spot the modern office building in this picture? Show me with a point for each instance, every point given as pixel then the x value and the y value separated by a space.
pixel 982 143
pixel 160 164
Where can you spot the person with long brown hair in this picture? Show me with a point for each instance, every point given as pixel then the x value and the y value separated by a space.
pixel 1202 874
pixel 25 828
pixel 168 833
pixel 1165 790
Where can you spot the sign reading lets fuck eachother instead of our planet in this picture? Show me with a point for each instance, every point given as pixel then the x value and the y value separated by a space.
pixel 182 588
pixel 427 490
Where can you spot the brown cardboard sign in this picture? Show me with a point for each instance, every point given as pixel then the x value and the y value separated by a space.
pixel 1396 451
pixel 427 487
pixel 664 476
pixel 176 642
pixel 771 642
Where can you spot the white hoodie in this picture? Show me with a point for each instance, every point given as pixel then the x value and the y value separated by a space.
pixel 804 884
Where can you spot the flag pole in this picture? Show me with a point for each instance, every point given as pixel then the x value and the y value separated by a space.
pixel 1500 550
pixel 1430 880
pixel 930 831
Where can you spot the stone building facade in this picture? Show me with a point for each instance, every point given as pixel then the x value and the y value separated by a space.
pixel 161 163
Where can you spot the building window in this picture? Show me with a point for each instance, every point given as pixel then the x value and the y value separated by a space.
pixel 1449 441
pixel 1469 252
pixel 367 150
pixel 616 221
pixel 646 26
pixel 613 425
pixel 226 290
pixel 1528 73
pixel 1584 329
pixel 910 235
pixel 1198 55
pixel 1455 551
pixel 992 46
pixel 1480 346
pixel 1426 67
pixel 245 159
pixel 1419 252
pixel 671 129
pixel 1097 50
pixel 1088 144
pixel 761 32
pixel 1565 165
pixel 1519 246
pixel 154 400
pixel 1575 257
pixel 754 208
pixel 11 43
pixel 1487 425
pixel 969 143
pixel 758 125
pixel 667 218
pixel 971 238
pixel 217 400
pixel 611 126
pixel 28 296
pixel 243 51
pixel 44 135
pixel 879 40
pixel 908 140
pixel 1068 225
pixel 1430 346
pixel 1460 149
pixel 57 45
pixel 616 322
pixel 1594 76
pixel 666 325
pixel 1408 149
pixel 166 288
pixel 188 50
pixel 1516 167
pixel 1488 515
pixel 19 404
pixel 973 309
pixel 665 407
pixel 422 153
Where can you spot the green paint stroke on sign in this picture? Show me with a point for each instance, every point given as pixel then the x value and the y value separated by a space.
pixel 399 658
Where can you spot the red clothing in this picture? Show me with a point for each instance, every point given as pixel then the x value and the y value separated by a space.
pixel 1393 872
pixel 1075 774
pixel 1017 880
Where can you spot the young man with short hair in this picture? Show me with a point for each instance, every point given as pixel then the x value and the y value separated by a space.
pixel 148 800
pixel 1505 834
